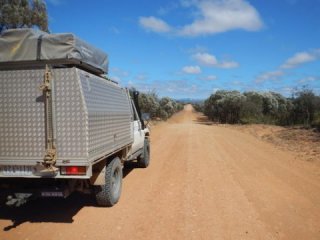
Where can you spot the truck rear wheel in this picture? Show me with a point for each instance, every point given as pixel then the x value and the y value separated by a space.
pixel 108 194
pixel 144 160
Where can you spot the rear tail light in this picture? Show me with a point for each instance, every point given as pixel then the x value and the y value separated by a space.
pixel 73 170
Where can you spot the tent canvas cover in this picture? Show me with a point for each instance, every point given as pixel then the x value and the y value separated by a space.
pixel 27 47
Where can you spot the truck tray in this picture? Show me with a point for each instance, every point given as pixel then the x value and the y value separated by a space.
pixel 92 117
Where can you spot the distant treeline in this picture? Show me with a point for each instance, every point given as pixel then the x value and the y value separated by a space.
pixel 161 108
pixel 263 107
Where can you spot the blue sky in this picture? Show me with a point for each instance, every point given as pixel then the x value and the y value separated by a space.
pixel 191 48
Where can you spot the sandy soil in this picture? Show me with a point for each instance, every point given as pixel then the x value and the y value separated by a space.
pixel 204 182
pixel 305 143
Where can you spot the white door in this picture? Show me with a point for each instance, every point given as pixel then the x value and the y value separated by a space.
pixel 138 134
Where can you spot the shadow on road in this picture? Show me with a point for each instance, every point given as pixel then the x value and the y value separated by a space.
pixel 128 167
pixel 56 210
pixel 46 210
pixel 203 120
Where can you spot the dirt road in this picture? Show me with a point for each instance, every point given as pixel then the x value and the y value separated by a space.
pixel 204 182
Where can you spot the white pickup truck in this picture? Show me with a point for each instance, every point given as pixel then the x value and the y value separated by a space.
pixel 64 126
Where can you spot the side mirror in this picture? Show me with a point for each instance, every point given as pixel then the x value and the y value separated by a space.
pixel 146 118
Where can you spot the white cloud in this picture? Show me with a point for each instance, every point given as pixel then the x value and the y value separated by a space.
pixel 309 79
pixel 191 69
pixel 216 16
pixel 154 24
pixel 272 75
pixel 295 61
pixel 211 61
pixel 228 64
pixel 206 59
pixel 209 78
pixel 212 17
pixel 301 58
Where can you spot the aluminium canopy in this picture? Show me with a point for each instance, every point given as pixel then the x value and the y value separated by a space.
pixel 29 47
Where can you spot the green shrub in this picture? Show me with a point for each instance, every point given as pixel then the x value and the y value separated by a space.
pixel 263 107
pixel 158 108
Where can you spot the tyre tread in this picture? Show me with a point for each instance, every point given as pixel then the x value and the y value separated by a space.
pixel 104 196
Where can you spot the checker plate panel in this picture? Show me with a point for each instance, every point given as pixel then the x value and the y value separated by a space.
pixel 92 116
pixel 109 114
pixel 22 125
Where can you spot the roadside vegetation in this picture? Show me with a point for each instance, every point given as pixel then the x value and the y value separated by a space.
pixel 233 107
pixel 23 13
pixel 158 108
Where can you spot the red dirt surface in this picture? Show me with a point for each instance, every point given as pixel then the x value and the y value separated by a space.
pixel 204 182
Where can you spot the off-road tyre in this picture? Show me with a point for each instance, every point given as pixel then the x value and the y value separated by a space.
pixel 144 159
pixel 108 194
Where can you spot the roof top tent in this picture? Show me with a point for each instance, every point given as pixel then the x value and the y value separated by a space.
pixel 30 48
pixel 51 93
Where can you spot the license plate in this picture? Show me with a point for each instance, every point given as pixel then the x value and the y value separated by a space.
pixel 16 170
pixel 52 194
